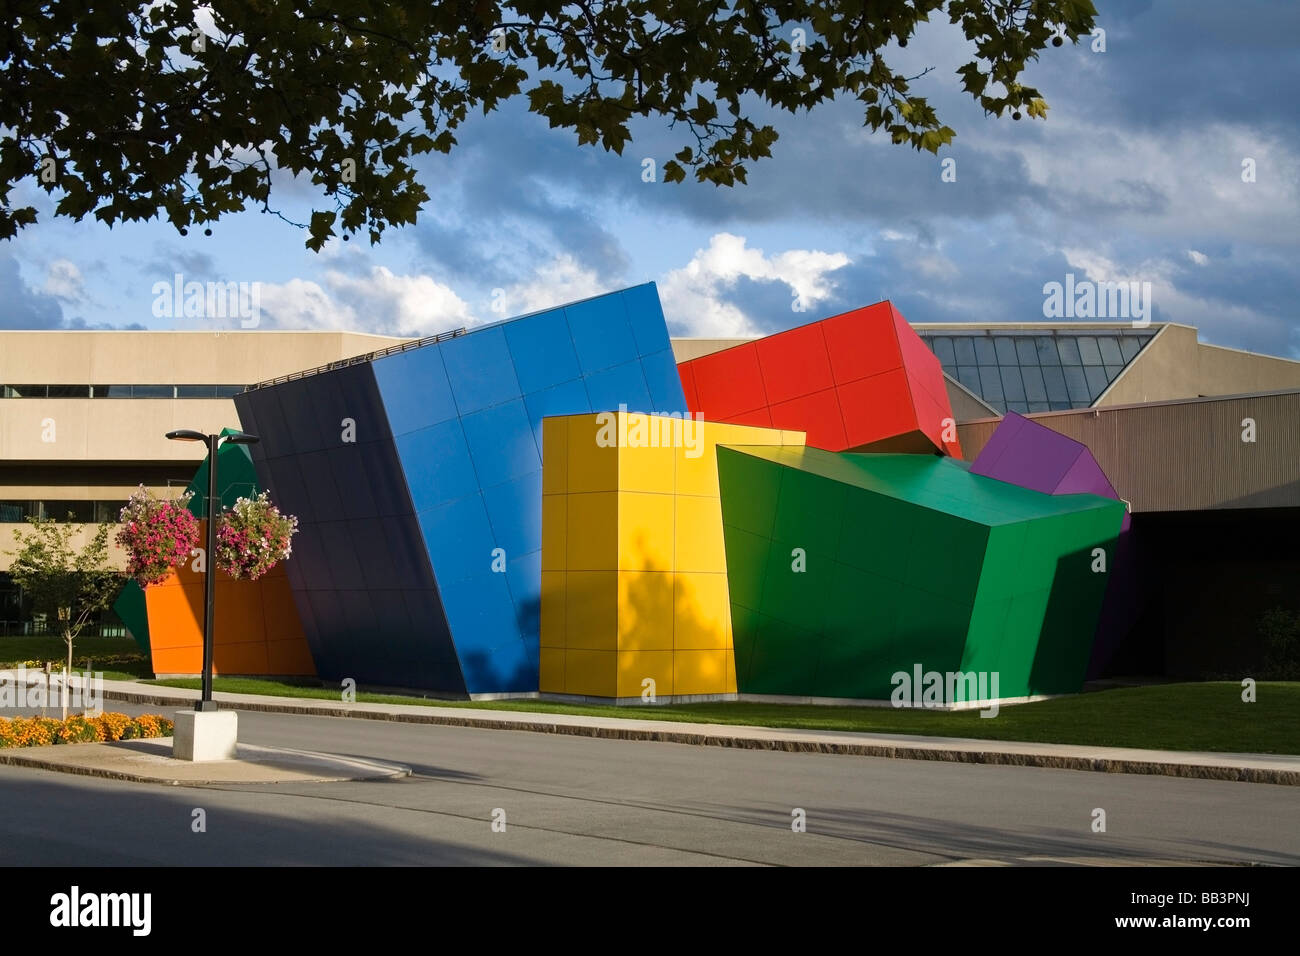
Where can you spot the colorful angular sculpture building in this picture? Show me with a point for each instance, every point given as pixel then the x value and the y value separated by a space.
pixel 846 569
pixel 634 573
pixel 416 476
pixel 859 381
pixel 257 630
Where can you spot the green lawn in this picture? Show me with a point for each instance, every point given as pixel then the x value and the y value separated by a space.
pixel 1209 716
pixel 118 657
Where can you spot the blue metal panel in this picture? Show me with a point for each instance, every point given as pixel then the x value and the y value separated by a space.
pixel 514 510
pixel 567 399
pixel 415 390
pixel 621 385
pixel 459 541
pixel 501 443
pixel 601 333
pixel 482 618
pixel 524 574
pixel 480 369
pixel 542 350
pixel 666 395
pixel 645 316
pixel 437 465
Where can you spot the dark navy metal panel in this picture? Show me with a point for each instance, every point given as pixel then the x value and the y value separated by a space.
pixel 349 474
pixel 356 525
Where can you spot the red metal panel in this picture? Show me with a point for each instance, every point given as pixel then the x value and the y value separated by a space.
pixel 686 372
pixel 728 383
pixel 862 343
pixel 818 415
pixel 794 363
pixel 877 407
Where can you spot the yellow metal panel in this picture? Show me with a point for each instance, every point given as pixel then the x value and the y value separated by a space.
pixel 700 672
pixel 697 469
pixel 645 611
pixel 645 532
pixel 592 466
pixel 644 468
pixel 731 671
pixel 590 673
pixel 551 677
pixel 591 525
pixel 635 666
pixel 591 610
pixel 555 532
pixel 555 455
pixel 698 544
pixel 553 601
pixel 701 612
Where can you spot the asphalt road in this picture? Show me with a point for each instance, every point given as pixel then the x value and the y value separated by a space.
pixel 572 800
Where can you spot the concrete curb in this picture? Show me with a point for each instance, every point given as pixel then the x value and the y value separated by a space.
pixel 253 766
pixel 956 751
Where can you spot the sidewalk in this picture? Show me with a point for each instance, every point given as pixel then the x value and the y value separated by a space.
pixel 1247 768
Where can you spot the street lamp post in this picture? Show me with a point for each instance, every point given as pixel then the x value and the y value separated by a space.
pixel 205 702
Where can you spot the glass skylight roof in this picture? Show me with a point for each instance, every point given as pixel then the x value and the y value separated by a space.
pixel 1046 370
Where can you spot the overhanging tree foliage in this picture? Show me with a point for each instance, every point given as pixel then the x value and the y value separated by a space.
pixel 125 111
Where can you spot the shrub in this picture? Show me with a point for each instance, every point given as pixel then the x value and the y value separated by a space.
pixel 1280 630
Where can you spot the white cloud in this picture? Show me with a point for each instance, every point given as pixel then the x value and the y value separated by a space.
pixel 379 301
pixel 63 280
pixel 553 283
pixel 1199 258
pixel 693 295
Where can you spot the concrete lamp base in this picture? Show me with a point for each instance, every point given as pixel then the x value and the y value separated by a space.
pixel 209 735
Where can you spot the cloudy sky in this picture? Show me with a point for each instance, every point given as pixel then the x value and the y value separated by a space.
pixel 1136 175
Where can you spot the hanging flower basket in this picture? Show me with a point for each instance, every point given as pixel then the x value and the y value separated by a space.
pixel 157 535
pixel 253 537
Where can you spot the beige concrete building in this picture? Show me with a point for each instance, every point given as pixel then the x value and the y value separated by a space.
pixel 83 414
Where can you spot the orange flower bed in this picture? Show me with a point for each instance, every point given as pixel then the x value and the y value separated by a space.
pixel 43 731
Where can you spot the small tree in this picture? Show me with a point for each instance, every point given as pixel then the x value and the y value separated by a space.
pixel 69 586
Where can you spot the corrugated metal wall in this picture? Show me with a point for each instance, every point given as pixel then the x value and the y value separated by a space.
pixel 1180 456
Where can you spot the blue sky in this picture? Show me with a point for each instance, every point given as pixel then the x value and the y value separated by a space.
pixel 1135 175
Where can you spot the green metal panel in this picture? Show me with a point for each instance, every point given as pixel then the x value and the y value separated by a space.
pixel 131 609
pixel 911 560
